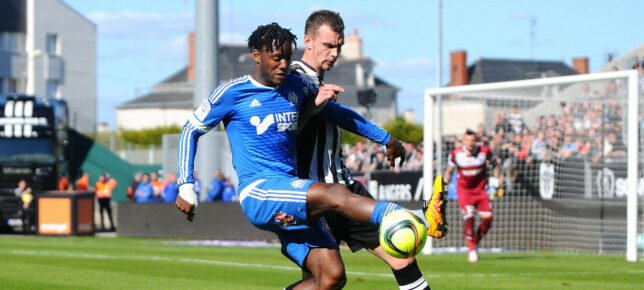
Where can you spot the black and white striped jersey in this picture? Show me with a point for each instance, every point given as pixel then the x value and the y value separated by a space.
pixel 319 146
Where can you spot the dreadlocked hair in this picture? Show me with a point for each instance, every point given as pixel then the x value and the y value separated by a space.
pixel 270 36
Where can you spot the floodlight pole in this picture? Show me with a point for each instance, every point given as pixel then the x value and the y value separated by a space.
pixel 439 98
pixel 428 133
pixel 206 79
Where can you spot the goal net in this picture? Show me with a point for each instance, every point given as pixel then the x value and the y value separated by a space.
pixel 570 153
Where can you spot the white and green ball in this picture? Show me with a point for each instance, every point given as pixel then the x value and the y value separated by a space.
pixel 402 233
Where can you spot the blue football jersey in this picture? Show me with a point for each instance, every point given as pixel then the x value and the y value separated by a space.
pixel 261 124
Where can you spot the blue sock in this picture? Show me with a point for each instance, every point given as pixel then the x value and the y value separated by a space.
pixel 381 210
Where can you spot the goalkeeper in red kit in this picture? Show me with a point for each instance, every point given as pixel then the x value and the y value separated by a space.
pixel 471 162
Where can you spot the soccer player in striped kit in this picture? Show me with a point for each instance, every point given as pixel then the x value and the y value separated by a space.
pixel 324 161
pixel 471 162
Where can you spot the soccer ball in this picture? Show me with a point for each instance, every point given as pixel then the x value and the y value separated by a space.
pixel 402 233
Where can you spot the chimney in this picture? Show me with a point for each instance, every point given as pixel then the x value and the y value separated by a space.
pixel 191 56
pixel 580 64
pixel 458 68
pixel 352 48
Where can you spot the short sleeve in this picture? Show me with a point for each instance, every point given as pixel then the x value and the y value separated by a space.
pixel 450 160
pixel 213 109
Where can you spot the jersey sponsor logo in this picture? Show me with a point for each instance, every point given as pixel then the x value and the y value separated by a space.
pixel 471 172
pixel 464 160
pixel 263 125
pixel 461 155
pixel 202 111
pixel 286 121
pixel 255 103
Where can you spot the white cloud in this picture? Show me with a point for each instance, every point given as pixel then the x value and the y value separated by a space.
pixel 173 49
pixel 522 16
pixel 233 38
pixel 136 24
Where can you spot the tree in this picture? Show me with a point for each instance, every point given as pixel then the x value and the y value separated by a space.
pixel 405 131
pixel 152 136
pixel 350 138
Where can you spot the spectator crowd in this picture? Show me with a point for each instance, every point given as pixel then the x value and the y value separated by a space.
pixel 356 157
pixel 589 130
pixel 148 187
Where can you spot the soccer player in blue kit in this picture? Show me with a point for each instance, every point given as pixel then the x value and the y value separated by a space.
pixel 260 112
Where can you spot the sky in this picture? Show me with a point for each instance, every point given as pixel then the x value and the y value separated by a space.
pixel 141 42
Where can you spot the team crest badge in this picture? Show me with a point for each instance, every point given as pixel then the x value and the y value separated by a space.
pixel 292 97
pixel 284 219
pixel 298 183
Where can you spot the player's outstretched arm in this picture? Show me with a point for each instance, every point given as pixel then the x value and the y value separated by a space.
pixel 353 122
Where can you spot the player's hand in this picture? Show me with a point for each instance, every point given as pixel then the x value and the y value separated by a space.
pixel 326 92
pixel 395 149
pixel 187 200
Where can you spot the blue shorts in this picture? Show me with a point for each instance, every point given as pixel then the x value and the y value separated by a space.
pixel 278 204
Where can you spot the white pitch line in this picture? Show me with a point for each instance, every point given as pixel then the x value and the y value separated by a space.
pixel 487 275
pixel 225 263
pixel 186 260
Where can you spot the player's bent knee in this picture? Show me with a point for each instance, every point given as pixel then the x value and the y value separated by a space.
pixel 306 275
pixel 333 278
pixel 327 268
pixel 485 215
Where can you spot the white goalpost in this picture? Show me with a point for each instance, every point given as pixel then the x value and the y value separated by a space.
pixel 577 189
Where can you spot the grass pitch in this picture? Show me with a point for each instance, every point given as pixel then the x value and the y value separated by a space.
pixel 126 263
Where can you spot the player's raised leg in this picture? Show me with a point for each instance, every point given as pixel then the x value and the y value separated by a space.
pixel 325 198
